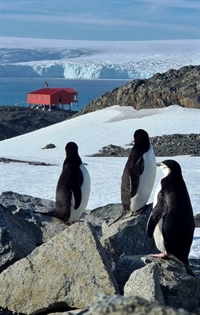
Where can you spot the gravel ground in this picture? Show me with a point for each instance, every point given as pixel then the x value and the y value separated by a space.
pixel 166 145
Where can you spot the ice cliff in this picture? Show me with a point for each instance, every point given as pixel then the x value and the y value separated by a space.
pixel 100 60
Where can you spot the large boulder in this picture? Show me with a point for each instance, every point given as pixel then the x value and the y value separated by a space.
pixel 67 271
pixel 26 209
pixel 165 281
pixel 16 239
pixel 128 236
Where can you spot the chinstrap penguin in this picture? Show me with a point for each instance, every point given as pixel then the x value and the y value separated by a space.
pixel 73 187
pixel 171 221
pixel 138 176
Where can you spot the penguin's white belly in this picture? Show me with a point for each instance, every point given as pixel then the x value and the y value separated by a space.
pixel 158 237
pixel 85 192
pixel 146 181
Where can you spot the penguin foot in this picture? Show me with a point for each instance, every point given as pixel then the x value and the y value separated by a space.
pixel 161 255
pixel 137 212
pixel 70 223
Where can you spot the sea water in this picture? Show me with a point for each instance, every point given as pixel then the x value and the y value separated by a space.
pixel 13 91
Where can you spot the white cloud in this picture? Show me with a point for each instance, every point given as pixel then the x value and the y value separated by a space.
pixel 86 19
pixel 157 4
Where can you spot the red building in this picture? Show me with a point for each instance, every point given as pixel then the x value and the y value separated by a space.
pixel 52 97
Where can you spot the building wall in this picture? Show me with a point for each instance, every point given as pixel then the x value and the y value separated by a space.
pixel 61 97
pixel 38 99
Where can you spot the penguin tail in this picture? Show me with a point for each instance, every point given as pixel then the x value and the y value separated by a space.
pixel 189 270
pixel 184 262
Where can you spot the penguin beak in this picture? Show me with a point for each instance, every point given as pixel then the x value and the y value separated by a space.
pixel 158 164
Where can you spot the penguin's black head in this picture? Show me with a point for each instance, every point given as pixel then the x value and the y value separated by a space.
pixel 141 138
pixel 170 165
pixel 71 149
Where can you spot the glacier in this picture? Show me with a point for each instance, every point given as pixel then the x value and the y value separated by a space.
pixel 94 60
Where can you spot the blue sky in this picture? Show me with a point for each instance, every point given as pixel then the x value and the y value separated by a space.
pixel 101 19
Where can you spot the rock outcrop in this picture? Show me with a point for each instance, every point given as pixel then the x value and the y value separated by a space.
pixel 180 87
pixel 48 266
pixel 165 282
pixel 66 271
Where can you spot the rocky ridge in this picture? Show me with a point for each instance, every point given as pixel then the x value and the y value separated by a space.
pixel 91 267
pixel 180 87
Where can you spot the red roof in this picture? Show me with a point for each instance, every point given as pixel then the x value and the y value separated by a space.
pixel 50 91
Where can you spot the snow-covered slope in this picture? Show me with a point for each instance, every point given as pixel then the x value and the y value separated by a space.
pixel 94 60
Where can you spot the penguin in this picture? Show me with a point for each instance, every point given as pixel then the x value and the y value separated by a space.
pixel 73 187
pixel 171 221
pixel 138 176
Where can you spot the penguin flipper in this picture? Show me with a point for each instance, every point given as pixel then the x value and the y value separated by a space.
pixel 77 196
pixel 134 179
pixel 157 213
pixel 134 172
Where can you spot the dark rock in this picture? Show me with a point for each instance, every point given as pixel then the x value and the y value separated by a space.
pixel 106 214
pixel 16 239
pixel 25 209
pixel 6 160
pixel 180 87
pixel 5 312
pixel 128 236
pixel 49 146
pixel 165 281
pixel 16 120
pixel 126 265
pixel 197 220
pixel 176 144
pixel 195 266
pixel 166 145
